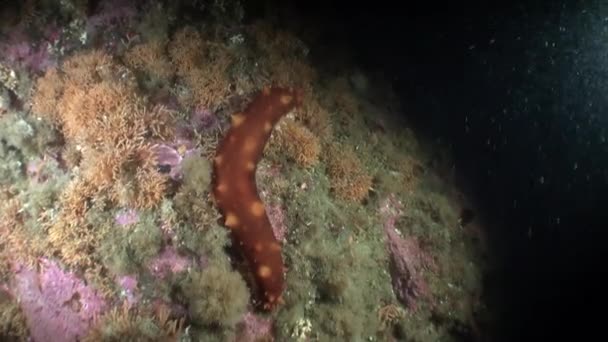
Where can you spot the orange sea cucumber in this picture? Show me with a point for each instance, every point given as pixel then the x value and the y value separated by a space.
pixel 235 189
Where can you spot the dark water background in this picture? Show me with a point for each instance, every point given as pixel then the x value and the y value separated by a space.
pixel 520 92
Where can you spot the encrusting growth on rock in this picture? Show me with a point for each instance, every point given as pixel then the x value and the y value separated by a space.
pixel 236 193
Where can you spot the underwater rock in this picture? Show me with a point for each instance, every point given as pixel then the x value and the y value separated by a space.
pixel 58 305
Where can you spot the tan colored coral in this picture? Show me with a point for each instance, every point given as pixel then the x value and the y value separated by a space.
pixel 151 58
pixel 316 118
pixel 103 112
pixel 87 67
pixel 107 122
pixel 16 244
pixel 210 86
pixel 127 324
pixel 186 50
pixel 283 57
pixel 48 90
pixel 152 186
pixel 160 122
pixel 140 185
pixel 297 142
pixel 349 179
pixel 203 67
pixel 292 72
pixel 102 168
pixel 108 128
pixel 389 315
pixel 69 234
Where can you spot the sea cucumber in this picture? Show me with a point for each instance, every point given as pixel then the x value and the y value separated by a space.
pixel 235 189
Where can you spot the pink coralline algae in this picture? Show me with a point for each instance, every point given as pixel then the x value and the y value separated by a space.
pixel 19 50
pixel 58 305
pixel 169 261
pixel 128 284
pixel 277 220
pixel 126 217
pixel 254 328
pixel 407 259
pixel 31 56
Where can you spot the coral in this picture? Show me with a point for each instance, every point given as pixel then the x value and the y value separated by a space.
pixel 316 118
pixel 389 315
pixel 99 110
pixel 297 142
pixel 83 69
pixel 151 60
pixel 216 296
pixel 106 112
pixel 202 65
pixel 129 324
pixel 150 187
pixel 244 213
pixel 349 179
pixel 57 305
pixel 291 72
pixel 69 234
pixel 16 245
pixel 110 168
pixel 186 50
pixel 284 57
